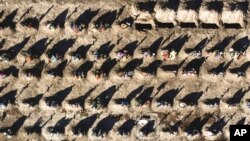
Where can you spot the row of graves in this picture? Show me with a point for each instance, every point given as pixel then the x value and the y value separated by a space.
pixel 143 16
pixel 140 98
pixel 146 112
pixel 143 126
pixel 151 124
pixel 127 61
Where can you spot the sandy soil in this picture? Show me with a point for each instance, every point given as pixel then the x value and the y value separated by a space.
pixel 211 86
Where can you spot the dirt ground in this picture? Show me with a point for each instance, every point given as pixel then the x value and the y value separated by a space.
pixel 164 116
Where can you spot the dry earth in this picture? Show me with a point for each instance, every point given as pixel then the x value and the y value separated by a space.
pixel 147 86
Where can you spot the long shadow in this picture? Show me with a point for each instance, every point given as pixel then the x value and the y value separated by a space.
pixel 60 48
pixel 105 125
pixel 107 66
pixel 148 128
pixel 4 86
pixel 104 50
pixel 37 127
pixel 81 51
pixel 168 97
pixel 83 69
pixel 73 12
pixel 196 126
pixel 37 49
pixel 83 126
pixel 57 99
pixel 154 47
pixel 12 52
pixel 8 98
pixel 35 21
pixel 217 126
pixel 215 5
pixel 9 20
pixel 243 6
pixel 86 17
pixel 120 11
pixel 240 71
pixel 14 128
pixel 12 70
pixel 235 100
pixel 59 21
pixel 173 129
pixel 31 22
pixel 127 101
pixel 152 67
pixel 161 86
pixel 193 5
pixel 22 90
pixel 241 44
pixel 36 70
pixel 131 66
pixel 220 46
pixel 130 47
pixel 241 121
pixel 126 127
pixel 2 43
pixel 192 98
pixel 1 13
pixel 33 101
pixel 173 67
pixel 177 43
pixel 43 15
pixel 134 93
pixel 195 64
pixel 106 20
pixel 213 101
pixel 58 70
pixel 59 127
pixel 102 100
pixel 198 47
pixel 129 21
pixel 145 96
pixel 170 4
pixel 81 99
pixel 146 6
pixel 221 68
pixel 25 13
